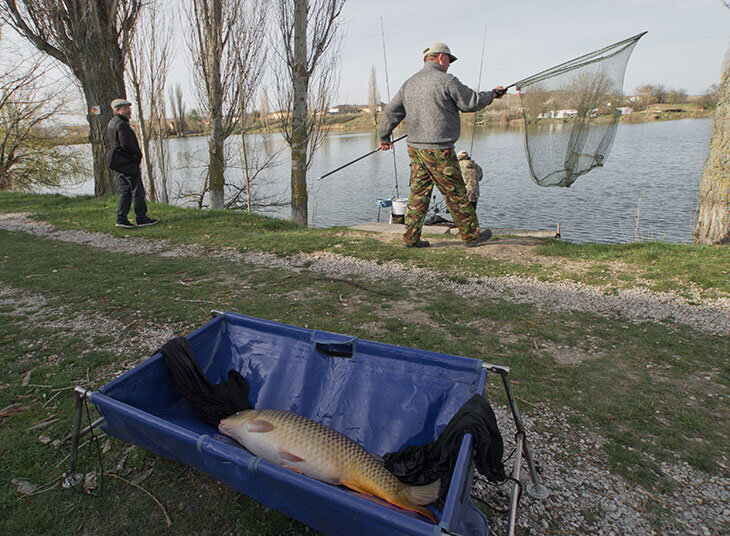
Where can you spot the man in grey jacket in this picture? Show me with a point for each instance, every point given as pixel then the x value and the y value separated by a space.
pixel 431 99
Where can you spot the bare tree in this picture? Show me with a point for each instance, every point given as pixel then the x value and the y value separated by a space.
pixel 29 103
pixel 307 43
pixel 713 222
pixel 219 29
pixel 148 66
pixel 710 97
pixel 177 105
pixel 90 37
pixel 251 59
pixel 265 110
pixel 373 96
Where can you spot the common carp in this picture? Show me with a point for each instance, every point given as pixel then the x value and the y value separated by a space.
pixel 312 449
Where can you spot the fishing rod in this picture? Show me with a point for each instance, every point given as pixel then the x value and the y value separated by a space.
pixel 479 85
pixel 357 159
pixel 387 87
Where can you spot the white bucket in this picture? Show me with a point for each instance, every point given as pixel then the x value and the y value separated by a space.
pixel 399 206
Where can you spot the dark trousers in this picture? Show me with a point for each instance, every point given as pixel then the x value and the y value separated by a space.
pixel 131 190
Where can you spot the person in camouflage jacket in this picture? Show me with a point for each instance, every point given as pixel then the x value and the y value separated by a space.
pixel 431 100
pixel 472 174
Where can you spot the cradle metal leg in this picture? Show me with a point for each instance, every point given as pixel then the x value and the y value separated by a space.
pixel 535 488
pixel 72 477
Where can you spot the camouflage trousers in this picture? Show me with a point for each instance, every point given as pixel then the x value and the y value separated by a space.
pixel 439 166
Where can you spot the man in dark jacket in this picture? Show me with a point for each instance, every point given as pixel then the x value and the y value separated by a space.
pixel 125 159
pixel 432 100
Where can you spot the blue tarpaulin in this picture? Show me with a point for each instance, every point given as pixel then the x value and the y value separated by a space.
pixel 382 396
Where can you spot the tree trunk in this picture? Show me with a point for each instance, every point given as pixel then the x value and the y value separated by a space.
pixel 713 222
pixel 102 78
pixel 217 164
pixel 299 200
pixel 100 88
pixel 214 55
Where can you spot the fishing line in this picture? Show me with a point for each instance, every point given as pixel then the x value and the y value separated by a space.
pixel 387 87
pixel 479 85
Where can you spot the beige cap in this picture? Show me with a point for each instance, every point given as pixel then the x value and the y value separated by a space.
pixel 439 48
pixel 116 103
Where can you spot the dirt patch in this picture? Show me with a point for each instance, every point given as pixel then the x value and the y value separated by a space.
pixel 518 249
pixel 566 355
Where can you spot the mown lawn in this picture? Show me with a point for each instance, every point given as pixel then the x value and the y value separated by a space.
pixel 654 393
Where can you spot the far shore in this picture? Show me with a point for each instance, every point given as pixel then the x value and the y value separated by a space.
pixel 506 119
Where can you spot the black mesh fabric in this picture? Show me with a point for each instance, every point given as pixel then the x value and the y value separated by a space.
pixel 571 113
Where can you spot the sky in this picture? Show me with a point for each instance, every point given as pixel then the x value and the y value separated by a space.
pixel 683 49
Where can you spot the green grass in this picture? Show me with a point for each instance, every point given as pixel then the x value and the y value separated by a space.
pixel 658 265
pixel 644 388
pixel 665 265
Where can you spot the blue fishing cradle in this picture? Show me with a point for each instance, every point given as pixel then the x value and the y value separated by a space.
pixel 382 396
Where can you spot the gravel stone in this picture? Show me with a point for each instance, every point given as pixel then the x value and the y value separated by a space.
pixel 710 315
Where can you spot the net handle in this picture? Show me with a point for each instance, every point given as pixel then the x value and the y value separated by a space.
pixel 520 83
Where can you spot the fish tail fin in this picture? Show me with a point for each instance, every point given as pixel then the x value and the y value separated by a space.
pixel 424 512
pixel 421 495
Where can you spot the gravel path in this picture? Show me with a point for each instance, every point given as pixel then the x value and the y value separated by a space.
pixel 585 497
pixel 634 304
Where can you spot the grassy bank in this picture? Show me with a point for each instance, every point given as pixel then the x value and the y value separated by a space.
pixel 655 393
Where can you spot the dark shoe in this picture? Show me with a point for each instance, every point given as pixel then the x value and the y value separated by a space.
pixel 146 222
pixel 419 244
pixel 483 237
pixel 125 224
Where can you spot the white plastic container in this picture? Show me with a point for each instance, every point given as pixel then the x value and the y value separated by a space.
pixel 399 206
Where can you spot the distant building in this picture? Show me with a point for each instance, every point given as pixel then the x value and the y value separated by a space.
pixel 558 114
pixel 345 109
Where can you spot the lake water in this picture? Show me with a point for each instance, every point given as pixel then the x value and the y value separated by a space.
pixel 648 187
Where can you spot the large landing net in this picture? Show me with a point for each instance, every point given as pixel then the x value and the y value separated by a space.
pixel 571 113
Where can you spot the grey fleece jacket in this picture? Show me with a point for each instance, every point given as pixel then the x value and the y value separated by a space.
pixel 431 99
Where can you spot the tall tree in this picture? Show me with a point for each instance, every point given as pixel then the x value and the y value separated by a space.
pixel 265 110
pixel 148 65
pixel 29 104
pixel 251 59
pixel 221 60
pixel 373 96
pixel 90 37
pixel 713 222
pixel 177 104
pixel 307 42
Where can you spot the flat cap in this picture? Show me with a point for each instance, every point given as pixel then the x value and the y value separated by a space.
pixel 439 48
pixel 116 103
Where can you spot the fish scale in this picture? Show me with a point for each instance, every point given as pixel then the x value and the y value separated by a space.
pixel 310 448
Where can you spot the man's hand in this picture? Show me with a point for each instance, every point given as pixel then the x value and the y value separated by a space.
pixel 499 92
pixel 386 146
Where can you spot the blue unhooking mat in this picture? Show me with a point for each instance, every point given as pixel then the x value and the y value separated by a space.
pixel 382 396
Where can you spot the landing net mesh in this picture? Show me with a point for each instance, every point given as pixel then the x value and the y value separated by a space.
pixel 571 113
